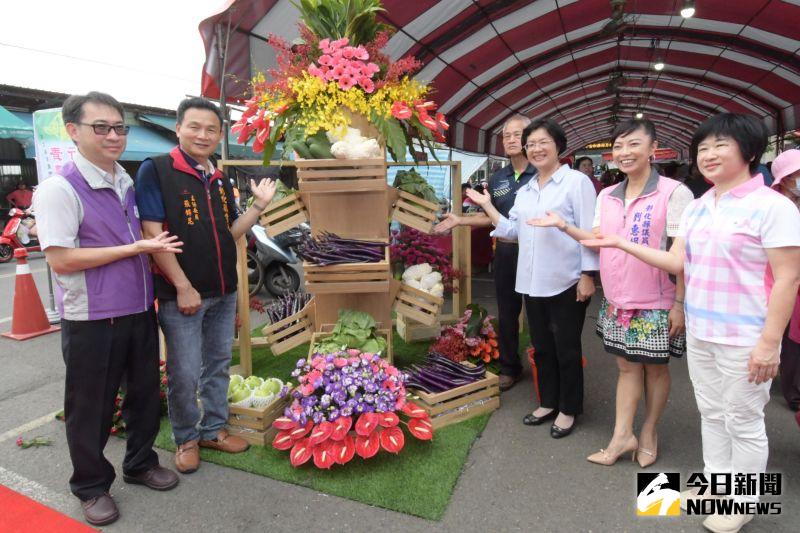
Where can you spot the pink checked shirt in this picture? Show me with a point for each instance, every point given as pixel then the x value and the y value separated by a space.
pixel 726 296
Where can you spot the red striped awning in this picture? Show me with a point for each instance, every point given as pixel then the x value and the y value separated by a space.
pixel 580 62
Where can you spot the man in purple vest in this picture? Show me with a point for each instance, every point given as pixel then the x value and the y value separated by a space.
pixel 90 232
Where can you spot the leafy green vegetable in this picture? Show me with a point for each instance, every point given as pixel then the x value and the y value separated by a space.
pixel 354 329
pixel 412 182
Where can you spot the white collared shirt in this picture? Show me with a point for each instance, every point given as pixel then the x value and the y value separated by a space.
pixel 550 261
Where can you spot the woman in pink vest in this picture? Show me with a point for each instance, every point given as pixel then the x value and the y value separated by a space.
pixel 786 169
pixel 641 316
pixel 734 325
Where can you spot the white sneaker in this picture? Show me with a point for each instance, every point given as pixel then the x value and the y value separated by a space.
pixel 726 523
pixel 691 494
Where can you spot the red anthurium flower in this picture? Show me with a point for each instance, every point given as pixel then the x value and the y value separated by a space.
pixel 426 120
pixel 401 111
pixel 392 439
pixel 320 433
pixel 340 427
pixel 425 106
pixel 301 452
pixel 442 122
pixel 367 447
pixel 414 411
pixel 284 422
pixel 366 424
pixel 421 428
pixel 439 137
pixel 388 420
pixel 301 432
pixel 283 441
pixel 323 456
pixel 343 450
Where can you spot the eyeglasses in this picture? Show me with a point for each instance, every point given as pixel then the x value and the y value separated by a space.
pixel 510 136
pixel 105 129
pixel 541 144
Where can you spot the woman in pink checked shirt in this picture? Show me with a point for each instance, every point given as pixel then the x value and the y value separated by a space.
pixel 734 325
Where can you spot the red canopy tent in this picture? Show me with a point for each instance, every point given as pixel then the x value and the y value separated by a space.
pixel 585 63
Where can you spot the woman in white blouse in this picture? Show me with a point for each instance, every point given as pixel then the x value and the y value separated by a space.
pixel 554 272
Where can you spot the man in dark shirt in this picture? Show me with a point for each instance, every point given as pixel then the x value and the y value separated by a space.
pixel 503 186
pixel 183 190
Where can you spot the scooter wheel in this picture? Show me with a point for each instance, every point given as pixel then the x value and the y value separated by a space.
pixel 255 273
pixel 6 253
pixel 281 279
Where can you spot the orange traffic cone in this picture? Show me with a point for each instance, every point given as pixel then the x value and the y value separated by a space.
pixel 29 319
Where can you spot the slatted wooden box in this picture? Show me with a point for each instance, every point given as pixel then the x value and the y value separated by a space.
pixel 461 403
pixel 283 215
pixel 341 175
pixel 415 212
pixel 418 305
pixel 255 424
pixel 412 331
pixel 348 277
pixel 292 331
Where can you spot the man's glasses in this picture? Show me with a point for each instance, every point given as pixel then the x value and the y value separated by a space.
pixel 105 129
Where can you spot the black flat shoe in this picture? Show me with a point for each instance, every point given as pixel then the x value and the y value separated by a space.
pixel 533 420
pixel 558 433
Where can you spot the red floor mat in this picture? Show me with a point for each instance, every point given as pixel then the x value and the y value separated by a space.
pixel 20 514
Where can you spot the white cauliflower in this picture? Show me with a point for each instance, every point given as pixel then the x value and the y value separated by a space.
pixel 437 290
pixel 417 272
pixel 414 283
pixel 352 145
pixel 430 279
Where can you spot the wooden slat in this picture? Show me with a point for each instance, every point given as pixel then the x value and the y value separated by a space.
pixel 316 163
pixel 413 332
pixel 431 206
pixel 330 174
pixel 305 311
pixel 415 314
pixel 352 287
pixel 255 342
pixel 425 226
pixel 282 347
pixel 453 418
pixel 429 214
pixel 273 206
pixel 438 397
pixel 303 323
pixel 414 302
pixel 408 289
pixel 463 400
pixel 243 308
pixel 273 230
pixel 342 186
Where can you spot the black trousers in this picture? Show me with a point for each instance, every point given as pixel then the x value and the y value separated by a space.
pixel 556 323
pixel 509 306
pixel 98 353
pixel 790 372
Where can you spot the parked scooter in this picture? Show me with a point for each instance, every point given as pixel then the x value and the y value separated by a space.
pixel 269 260
pixel 17 234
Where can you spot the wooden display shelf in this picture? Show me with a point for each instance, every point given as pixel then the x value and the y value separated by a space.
pixel 417 305
pixel 461 403
pixel 255 424
pixel 341 175
pixel 411 331
pixel 415 212
pixel 283 215
pixel 292 331
pixel 385 333
pixel 348 277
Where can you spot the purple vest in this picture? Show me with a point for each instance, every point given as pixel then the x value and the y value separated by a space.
pixel 124 287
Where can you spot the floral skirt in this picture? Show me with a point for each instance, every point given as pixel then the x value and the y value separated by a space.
pixel 640 336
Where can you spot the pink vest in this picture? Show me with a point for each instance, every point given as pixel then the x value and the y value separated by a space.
pixel 628 283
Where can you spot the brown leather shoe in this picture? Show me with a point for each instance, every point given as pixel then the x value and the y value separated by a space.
pixel 100 510
pixel 187 457
pixel 157 478
pixel 225 442
pixel 506 382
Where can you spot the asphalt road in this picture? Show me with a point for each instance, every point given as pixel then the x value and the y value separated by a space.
pixel 516 478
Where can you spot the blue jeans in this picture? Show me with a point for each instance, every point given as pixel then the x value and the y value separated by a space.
pixel 198 359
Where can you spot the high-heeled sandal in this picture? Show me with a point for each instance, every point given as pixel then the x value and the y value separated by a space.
pixel 650 458
pixel 606 459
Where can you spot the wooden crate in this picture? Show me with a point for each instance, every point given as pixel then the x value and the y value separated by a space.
pixel 378 305
pixel 300 328
pixel 418 305
pixel 415 212
pixel 461 403
pixel 348 277
pixel 385 333
pixel 283 215
pixel 341 175
pixel 411 331
pixel 255 424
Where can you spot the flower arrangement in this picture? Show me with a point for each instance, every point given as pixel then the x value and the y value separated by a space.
pixel 412 247
pixel 337 393
pixel 337 71
pixel 471 338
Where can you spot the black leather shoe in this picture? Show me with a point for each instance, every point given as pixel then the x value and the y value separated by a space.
pixel 558 433
pixel 533 420
pixel 156 478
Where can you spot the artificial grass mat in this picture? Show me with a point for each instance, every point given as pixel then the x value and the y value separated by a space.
pixel 418 481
